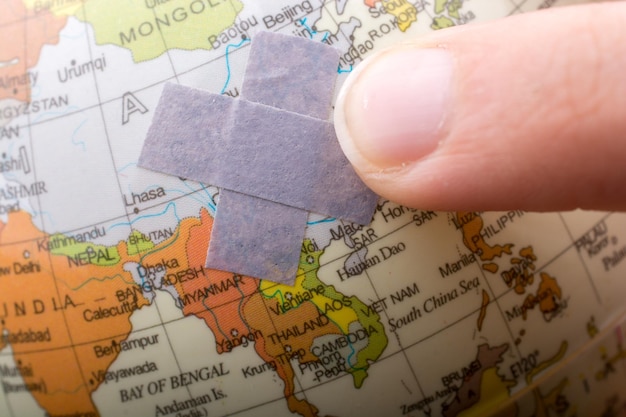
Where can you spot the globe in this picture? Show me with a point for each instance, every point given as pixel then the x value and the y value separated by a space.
pixel 107 307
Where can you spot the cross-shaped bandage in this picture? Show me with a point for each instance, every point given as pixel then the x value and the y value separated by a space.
pixel 272 152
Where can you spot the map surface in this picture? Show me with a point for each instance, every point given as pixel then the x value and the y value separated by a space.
pixel 106 308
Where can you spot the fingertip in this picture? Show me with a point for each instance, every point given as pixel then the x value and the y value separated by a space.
pixel 391 111
pixel 455 121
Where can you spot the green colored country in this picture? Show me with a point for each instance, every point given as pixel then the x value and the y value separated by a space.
pixel 441 22
pixel 440 6
pixel 138 243
pixel 453 7
pixel 151 27
pixel 83 253
pixel 368 318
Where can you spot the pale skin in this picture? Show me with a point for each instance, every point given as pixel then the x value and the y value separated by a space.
pixel 528 112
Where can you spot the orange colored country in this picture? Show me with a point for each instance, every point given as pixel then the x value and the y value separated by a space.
pixel 61 389
pixel 54 311
pixel 29 303
pixel 32 313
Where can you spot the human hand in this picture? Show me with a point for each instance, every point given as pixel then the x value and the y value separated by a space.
pixel 528 112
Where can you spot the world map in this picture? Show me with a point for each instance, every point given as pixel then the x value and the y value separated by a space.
pixel 107 309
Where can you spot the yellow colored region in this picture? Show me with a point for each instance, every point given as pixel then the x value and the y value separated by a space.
pixel 150 28
pixel 342 317
pixel 494 392
pixel 404 11
pixel 289 298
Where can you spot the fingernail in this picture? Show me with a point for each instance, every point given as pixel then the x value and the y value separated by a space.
pixel 392 109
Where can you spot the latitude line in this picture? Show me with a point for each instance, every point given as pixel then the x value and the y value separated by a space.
pixel 153 326
pixel 539 269
pixel 568 247
pixel 275 284
pixel 580 258
pixel 349 253
pixel 106 221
